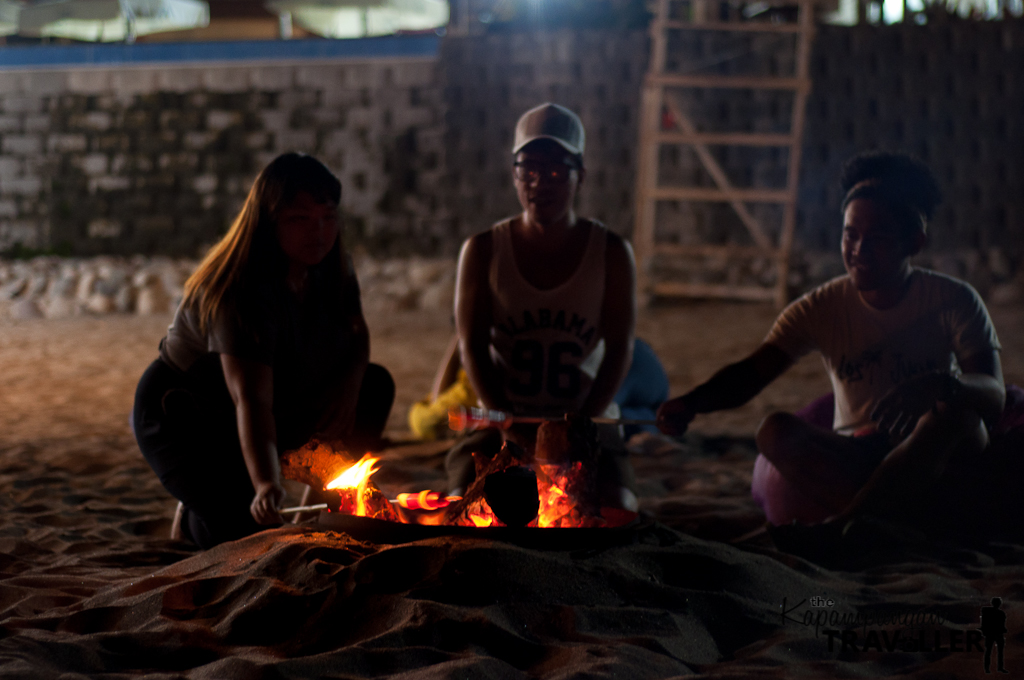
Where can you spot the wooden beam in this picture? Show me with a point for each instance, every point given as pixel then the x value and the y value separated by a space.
pixel 803 69
pixel 716 172
pixel 713 290
pixel 647 161
pixel 728 82
pixel 720 196
pixel 727 138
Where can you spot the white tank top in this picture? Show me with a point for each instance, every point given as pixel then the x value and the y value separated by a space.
pixel 547 342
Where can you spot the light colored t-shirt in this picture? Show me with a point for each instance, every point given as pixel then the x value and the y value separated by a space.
pixel 869 351
pixel 307 343
pixel 547 342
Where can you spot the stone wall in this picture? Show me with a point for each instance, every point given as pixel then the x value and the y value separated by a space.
pixel 490 80
pixel 54 287
pixel 158 160
pixel 951 92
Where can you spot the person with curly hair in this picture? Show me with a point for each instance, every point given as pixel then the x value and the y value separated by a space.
pixel 912 355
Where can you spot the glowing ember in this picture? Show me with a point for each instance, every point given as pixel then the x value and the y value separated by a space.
pixel 481 515
pixel 557 507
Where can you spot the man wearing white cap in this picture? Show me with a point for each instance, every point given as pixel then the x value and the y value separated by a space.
pixel 545 303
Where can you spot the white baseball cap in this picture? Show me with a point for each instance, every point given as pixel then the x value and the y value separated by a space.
pixel 550 121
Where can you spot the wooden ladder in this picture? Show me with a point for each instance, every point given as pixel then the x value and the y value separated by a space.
pixel 663 122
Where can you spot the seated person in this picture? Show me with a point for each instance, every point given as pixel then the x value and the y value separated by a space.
pixel 268 348
pixel 545 302
pixel 912 356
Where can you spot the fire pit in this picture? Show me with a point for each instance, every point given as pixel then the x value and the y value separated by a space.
pixel 379 531
pixel 544 498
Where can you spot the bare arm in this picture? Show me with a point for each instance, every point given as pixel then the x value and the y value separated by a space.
pixel 982 386
pixel 618 325
pixel 251 385
pixel 979 388
pixel 473 321
pixel 948 410
pixel 731 387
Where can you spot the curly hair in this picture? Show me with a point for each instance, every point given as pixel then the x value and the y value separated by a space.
pixel 898 180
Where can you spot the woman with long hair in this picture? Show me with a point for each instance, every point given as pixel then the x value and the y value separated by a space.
pixel 268 348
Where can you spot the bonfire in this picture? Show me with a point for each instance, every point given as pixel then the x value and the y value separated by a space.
pixel 548 484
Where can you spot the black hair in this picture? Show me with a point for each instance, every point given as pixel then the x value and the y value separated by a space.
pixel 898 180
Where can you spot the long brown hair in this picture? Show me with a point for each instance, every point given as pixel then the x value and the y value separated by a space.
pixel 250 249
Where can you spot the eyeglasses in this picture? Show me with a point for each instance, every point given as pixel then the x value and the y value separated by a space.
pixel 528 172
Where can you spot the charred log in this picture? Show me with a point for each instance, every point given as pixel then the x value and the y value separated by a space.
pixel 511 455
pixel 512 495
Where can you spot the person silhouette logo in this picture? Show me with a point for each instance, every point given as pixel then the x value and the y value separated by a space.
pixel 993 627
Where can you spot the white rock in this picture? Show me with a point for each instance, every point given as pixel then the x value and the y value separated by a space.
pixel 393 269
pixel 144 277
pixel 438 296
pixel 98 303
pixel 151 300
pixel 173 281
pixel 112 278
pixel 36 286
pixel 59 308
pixel 12 289
pixel 422 273
pixel 124 299
pixel 62 287
pixel 25 309
pixel 85 285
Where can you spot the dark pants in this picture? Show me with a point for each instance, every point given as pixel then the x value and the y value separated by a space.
pixel 185 426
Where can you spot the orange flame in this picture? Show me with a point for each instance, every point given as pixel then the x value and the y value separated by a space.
pixel 356 477
pixel 557 507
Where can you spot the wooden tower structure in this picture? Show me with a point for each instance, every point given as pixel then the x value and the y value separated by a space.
pixel 751 261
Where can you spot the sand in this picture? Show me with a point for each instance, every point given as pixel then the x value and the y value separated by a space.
pixel 91 587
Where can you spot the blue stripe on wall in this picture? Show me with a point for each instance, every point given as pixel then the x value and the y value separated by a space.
pixel 245 50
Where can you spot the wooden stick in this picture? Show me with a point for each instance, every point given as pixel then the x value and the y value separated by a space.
pixel 302 508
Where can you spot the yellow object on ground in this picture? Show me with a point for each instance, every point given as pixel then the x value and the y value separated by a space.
pixel 428 419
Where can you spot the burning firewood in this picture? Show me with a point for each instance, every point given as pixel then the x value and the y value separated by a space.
pixel 347 485
pixel 315 464
pixel 473 509
pixel 565 466
pixel 567 459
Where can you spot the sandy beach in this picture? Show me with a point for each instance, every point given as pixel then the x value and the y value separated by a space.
pixel 90 585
